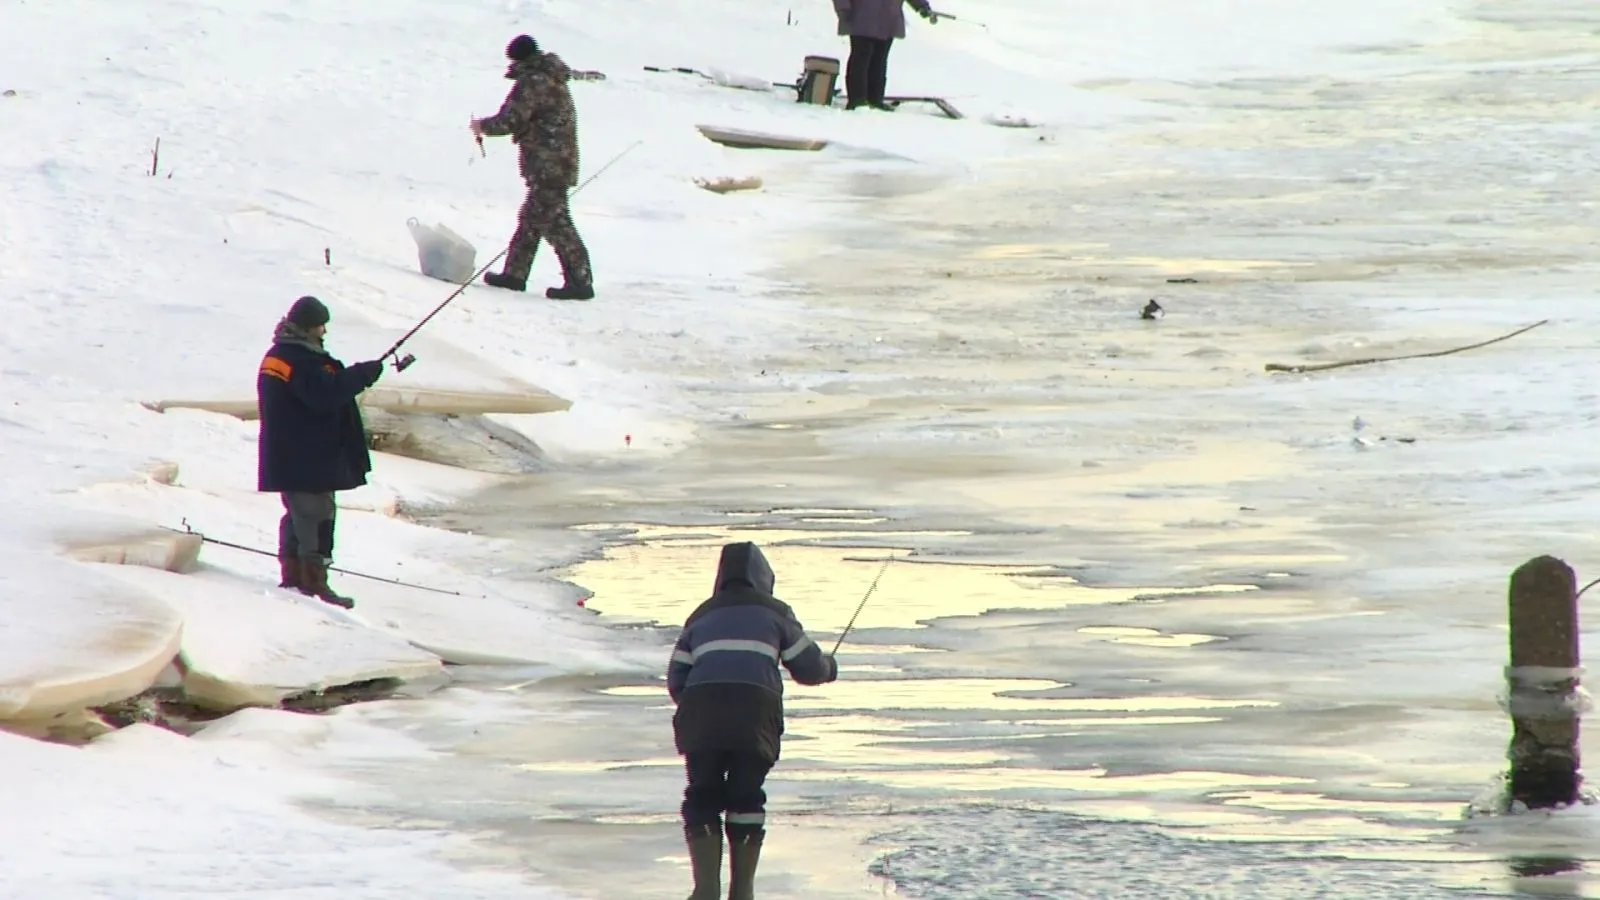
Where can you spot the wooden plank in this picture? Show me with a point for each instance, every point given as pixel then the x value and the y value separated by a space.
pixel 758 140
pixel 944 105
pixel 421 401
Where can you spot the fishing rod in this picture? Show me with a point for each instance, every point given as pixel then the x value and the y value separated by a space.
pixel 862 605
pixel 941 15
pixel 404 362
pixel 260 552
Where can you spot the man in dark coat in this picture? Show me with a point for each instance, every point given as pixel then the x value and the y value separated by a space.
pixel 725 680
pixel 312 444
pixel 539 115
pixel 873 26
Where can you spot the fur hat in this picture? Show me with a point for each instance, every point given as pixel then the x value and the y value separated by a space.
pixel 521 47
pixel 308 312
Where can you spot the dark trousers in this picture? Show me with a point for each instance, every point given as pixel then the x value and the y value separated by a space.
pixel 866 75
pixel 723 781
pixel 306 529
pixel 546 215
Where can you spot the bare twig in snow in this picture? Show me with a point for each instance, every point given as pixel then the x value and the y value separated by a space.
pixel 155 158
pixel 1323 367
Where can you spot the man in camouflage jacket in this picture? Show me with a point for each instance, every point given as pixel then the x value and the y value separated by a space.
pixel 538 114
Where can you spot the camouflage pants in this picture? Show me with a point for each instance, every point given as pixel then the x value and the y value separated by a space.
pixel 544 215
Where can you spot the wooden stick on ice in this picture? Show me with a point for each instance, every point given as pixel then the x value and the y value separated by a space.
pixel 1323 367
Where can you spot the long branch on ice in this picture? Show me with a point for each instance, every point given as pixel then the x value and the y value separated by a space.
pixel 1323 367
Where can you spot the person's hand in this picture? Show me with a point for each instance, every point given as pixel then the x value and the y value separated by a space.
pixel 927 13
pixel 371 370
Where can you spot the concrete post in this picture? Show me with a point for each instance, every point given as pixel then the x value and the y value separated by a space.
pixel 1543 681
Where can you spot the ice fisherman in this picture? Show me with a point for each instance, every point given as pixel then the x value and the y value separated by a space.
pixel 873 26
pixel 312 442
pixel 538 114
pixel 725 680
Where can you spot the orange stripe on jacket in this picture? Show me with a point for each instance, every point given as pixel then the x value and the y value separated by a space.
pixel 277 368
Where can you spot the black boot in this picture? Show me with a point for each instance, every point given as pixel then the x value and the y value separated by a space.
pixel 502 280
pixel 314 583
pixel 705 859
pixel 744 855
pixel 571 292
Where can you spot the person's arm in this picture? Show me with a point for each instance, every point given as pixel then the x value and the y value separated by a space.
pixel 326 391
pixel 803 658
pixel 680 666
pixel 515 113
pixel 924 9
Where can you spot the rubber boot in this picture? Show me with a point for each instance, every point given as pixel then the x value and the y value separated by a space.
pixel 502 280
pixel 571 292
pixel 314 582
pixel 743 857
pixel 705 859
pixel 290 567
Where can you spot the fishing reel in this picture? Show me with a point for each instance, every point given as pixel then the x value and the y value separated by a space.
pixel 402 363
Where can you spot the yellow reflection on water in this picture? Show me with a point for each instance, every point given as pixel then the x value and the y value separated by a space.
pixel 1025 251
pixel 989 694
pixel 669 570
pixel 1084 254
pixel 1093 780
pixel 591 766
pixel 1147 637
pixel 637 690
pixel 1291 802
pixel 885 650
pixel 1085 721
pixel 864 741
pixel 983 694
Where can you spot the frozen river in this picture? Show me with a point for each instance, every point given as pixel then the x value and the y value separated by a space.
pixel 1174 627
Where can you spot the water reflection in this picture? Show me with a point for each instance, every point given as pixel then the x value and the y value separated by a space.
pixel 1286 802
pixel 968 694
pixel 1148 637
pixel 1540 866
pixel 1029 781
pixel 662 572
pixel 1550 876
pixel 905 721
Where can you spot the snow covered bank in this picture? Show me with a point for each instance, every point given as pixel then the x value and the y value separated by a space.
pixel 146 813
pixel 84 644
pixel 256 648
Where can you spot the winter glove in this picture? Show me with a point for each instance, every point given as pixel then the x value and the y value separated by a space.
pixel 369 372
pixel 927 13
pixel 833 663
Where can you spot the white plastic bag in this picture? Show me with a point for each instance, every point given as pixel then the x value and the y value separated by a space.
pixel 442 253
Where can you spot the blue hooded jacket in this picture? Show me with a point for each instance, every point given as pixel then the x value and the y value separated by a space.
pixel 725 671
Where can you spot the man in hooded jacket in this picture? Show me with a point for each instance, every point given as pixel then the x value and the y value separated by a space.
pixel 725 680
pixel 539 115
pixel 312 442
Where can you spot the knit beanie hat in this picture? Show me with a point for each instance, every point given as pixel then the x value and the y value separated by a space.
pixel 521 47
pixel 308 312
